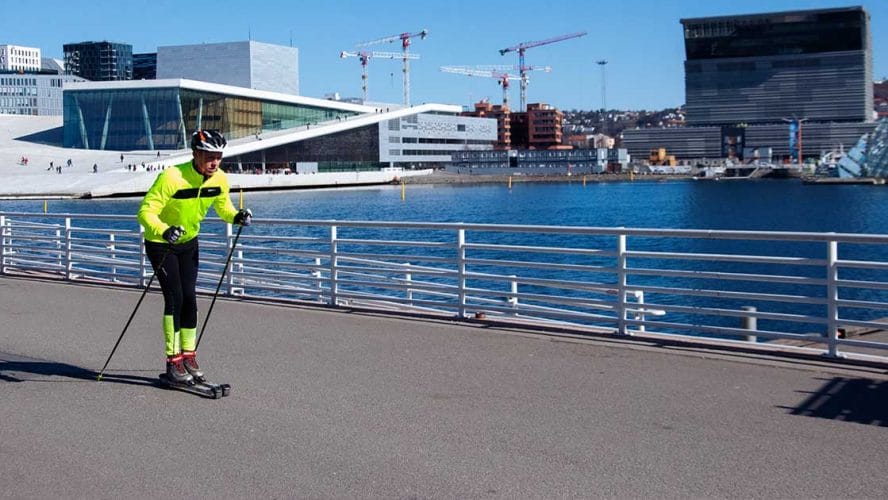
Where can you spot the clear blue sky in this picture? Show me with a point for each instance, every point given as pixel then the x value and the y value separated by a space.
pixel 641 39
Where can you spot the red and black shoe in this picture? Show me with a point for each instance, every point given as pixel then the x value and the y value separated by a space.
pixel 176 372
pixel 189 361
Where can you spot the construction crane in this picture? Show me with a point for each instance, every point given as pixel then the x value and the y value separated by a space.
pixel 522 47
pixel 405 56
pixel 493 71
pixel 501 77
pixel 364 57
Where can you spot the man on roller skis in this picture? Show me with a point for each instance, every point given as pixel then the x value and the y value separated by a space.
pixel 171 213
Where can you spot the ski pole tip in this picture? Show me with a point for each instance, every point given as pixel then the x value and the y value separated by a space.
pixel 99 378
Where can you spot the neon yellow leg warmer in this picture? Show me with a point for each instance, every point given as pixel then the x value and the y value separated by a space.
pixel 171 336
pixel 189 339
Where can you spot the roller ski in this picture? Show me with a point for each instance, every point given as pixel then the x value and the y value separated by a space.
pixel 184 374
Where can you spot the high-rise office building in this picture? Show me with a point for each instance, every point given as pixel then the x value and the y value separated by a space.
pixel 761 68
pixel 99 61
pixel 746 75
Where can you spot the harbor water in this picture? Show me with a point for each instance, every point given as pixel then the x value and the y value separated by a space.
pixel 682 204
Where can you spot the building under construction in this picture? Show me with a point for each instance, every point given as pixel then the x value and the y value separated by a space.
pixel 99 61
pixel 540 127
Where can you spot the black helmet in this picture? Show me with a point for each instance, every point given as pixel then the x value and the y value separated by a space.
pixel 208 140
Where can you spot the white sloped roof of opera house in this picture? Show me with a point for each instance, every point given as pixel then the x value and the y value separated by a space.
pixel 219 88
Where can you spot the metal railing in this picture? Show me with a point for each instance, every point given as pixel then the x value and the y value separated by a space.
pixel 790 290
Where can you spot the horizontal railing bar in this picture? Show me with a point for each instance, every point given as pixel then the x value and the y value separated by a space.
pixel 555 313
pixel 861 284
pixel 388 286
pixel 561 284
pixel 759 259
pixel 283 251
pixel 724 294
pixel 396 257
pixel 869 344
pixel 289 239
pixel 396 243
pixel 735 332
pixel 539 265
pixel 862 304
pixel 671 273
pixel 863 324
pixel 555 299
pixel 735 313
pixel 403 270
pixel 541 249
pixel 861 264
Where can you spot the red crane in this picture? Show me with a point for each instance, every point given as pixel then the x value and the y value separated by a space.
pixel 522 47
pixel 500 72
pixel 405 48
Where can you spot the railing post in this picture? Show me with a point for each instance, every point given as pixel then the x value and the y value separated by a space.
pixel 229 246
pixel 334 273
pixel 113 250
pixel 408 278
pixel 513 294
pixel 621 285
pixel 68 263
pixel 2 244
pixel 832 295
pixel 639 303
pixel 317 275
pixel 750 323
pixel 142 257
pixel 461 272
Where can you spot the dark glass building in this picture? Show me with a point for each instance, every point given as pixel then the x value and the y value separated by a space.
pixel 160 114
pixel 761 68
pixel 99 61
pixel 145 66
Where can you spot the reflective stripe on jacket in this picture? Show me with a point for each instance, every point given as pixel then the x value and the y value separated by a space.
pixel 181 197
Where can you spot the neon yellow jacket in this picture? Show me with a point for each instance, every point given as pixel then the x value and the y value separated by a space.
pixel 181 197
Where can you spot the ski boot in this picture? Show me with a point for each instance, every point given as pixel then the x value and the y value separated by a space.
pixel 176 372
pixel 189 361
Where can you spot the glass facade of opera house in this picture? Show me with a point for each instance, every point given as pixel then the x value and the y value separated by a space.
pixel 158 118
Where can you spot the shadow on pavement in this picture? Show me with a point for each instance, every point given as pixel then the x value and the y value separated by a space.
pixel 862 401
pixel 20 369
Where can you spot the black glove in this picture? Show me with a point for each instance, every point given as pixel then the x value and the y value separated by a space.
pixel 173 233
pixel 244 217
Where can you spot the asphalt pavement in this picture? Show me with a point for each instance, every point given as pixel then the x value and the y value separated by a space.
pixel 331 403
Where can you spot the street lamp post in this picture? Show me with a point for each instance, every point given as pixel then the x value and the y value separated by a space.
pixel 602 63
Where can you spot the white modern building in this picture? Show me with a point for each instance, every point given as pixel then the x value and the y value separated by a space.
pixel 268 130
pixel 33 94
pixel 18 58
pixel 433 138
pixel 248 64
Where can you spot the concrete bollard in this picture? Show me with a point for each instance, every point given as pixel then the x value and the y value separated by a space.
pixel 750 323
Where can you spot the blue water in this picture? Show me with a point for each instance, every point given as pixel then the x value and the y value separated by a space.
pixel 784 205
pixel 760 205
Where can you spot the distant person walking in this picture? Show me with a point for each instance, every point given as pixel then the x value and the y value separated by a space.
pixel 121 157
pixel 95 168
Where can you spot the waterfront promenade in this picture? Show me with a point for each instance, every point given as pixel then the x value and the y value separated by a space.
pixel 348 404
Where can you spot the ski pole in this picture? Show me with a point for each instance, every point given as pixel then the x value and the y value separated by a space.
pixel 145 291
pixel 219 286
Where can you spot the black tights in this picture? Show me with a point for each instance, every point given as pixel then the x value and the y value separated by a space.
pixel 178 279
